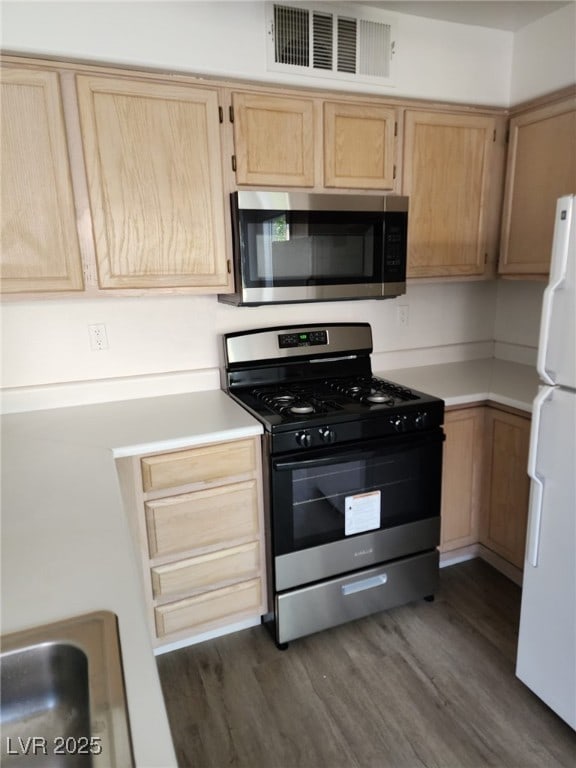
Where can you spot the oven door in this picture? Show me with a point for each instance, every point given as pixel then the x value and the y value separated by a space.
pixel 349 507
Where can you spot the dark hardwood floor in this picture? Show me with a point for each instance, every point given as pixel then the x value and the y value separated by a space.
pixel 427 684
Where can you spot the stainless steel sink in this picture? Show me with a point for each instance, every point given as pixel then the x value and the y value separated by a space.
pixel 62 698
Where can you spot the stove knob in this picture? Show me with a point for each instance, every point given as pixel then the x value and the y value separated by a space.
pixel 304 439
pixel 399 423
pixel 327 435
pixel 421 420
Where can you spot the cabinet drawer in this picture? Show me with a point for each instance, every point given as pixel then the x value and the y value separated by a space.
pixel 202 519
pixel 208 607
pixel 205 464
pixel 215 567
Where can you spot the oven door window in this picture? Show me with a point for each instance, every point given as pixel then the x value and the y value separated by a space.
pixel 298 248
pixel 318 499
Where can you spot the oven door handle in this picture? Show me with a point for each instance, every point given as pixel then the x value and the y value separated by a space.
pixel 336 455
pixel 361 586
pixel 321 462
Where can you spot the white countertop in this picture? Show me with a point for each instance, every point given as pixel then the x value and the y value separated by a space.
pixel 66 544
pixel 471 381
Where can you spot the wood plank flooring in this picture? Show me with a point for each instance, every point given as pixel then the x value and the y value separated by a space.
pixel 425 685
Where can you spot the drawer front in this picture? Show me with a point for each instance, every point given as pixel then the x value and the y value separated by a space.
pixel 202 519
pixel 237 563
pixel 205 464
pixel 304 611
pixel 218 605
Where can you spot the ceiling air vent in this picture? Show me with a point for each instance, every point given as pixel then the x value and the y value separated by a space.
pixel 325 41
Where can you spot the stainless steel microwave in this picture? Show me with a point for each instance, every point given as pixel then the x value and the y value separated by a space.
pixel 297 246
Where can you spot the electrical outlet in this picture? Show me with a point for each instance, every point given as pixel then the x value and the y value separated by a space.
pixel 402 315
pixel 98 337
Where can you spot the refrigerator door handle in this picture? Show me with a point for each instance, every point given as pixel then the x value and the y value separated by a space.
pixel 537 488
pixel 559 267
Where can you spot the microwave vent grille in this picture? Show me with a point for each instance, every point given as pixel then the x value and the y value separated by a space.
pixel 347 43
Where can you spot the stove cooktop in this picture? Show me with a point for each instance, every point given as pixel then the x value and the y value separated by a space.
pixel 289 406
pixel 294 403
pixel 313 385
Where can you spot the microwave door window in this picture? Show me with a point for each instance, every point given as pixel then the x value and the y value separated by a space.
pixel 263 238
pixel 303 248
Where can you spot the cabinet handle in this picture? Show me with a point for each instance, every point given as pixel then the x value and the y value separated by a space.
pixel 234 163
pixel 360 586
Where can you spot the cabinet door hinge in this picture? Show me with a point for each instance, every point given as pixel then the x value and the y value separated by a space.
pixel 231 113
pixel 220 114
pixel 234 163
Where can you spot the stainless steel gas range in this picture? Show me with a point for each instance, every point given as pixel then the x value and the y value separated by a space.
pixel 353 468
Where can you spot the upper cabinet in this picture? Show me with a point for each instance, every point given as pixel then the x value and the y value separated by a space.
pixel 290 141
pixel 359 146
pixel 153 161
pixel 448 175
pixel 541 167
pixel 274 140
pixel 40 247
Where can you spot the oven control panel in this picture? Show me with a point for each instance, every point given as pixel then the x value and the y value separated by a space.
pixel 302 339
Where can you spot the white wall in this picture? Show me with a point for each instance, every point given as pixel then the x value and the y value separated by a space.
pixel 518 307
pixel 434 59
pixel 46 342
pixel 544 55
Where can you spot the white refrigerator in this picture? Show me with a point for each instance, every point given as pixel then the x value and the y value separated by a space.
pixel 546 660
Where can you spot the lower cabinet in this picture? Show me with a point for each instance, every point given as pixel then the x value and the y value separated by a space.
pixel 507 485
pixel 197 517
pixel 462 477
pixel 485 486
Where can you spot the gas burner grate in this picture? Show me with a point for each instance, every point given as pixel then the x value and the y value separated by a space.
pixel 295 401
pixel 371 390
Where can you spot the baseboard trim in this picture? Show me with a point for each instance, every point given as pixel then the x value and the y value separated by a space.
pixel 201 638
pixel 460 555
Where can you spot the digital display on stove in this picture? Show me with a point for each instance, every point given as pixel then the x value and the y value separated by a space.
pixel 302 339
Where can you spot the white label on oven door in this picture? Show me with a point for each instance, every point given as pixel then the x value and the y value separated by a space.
pixel 362 512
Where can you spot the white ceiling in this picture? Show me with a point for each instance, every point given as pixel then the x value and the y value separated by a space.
pixel 498 14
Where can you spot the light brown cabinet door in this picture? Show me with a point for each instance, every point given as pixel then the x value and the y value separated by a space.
pixel 196 574
pixel 209 609
pixel 205 464
pixel 273 140
pixel 503 527
pixel 359 146
pixel 541 167
pixel 462 477
pixel 201 519
pixel 447 159
pixel 154 167
pixel 40 249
